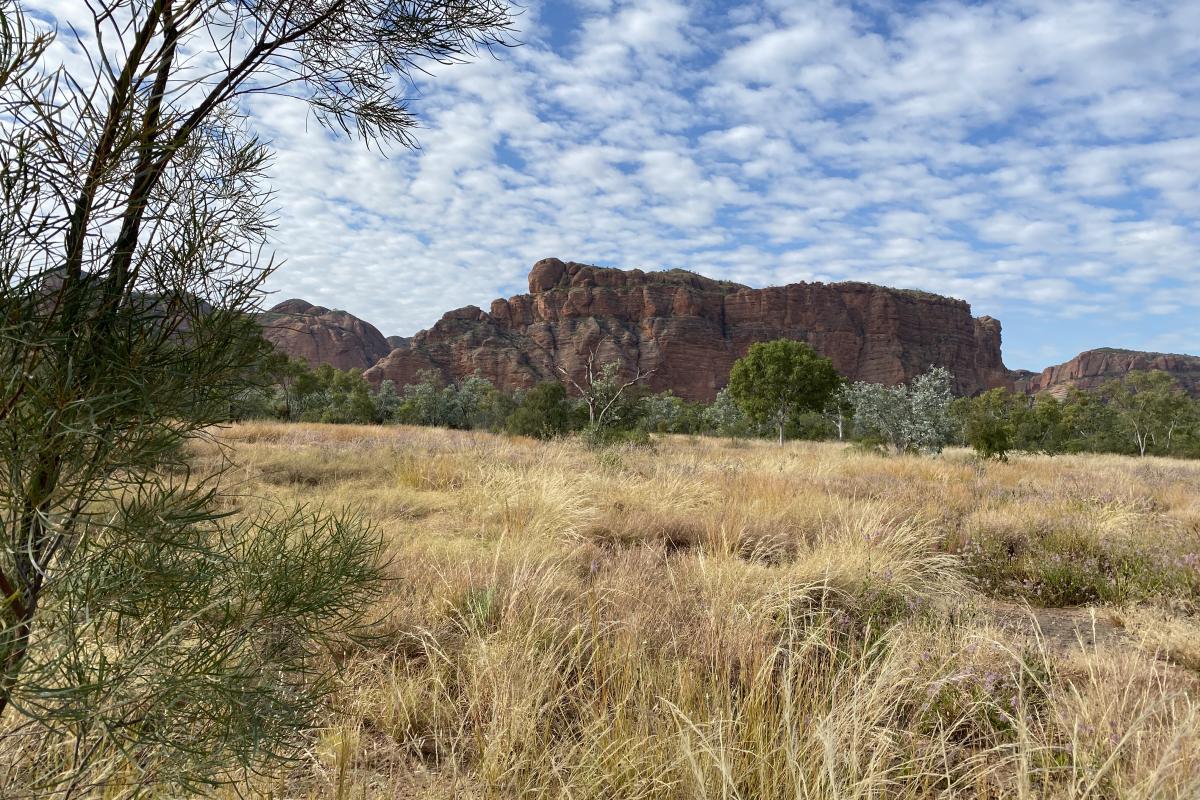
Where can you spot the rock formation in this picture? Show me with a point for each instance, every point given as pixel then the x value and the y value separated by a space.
pixel 1093 368
pixel 689 330
pixel 319 335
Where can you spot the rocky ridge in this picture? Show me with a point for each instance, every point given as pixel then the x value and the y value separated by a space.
pixel 689 330
pixel 1093 368
pixel 320 335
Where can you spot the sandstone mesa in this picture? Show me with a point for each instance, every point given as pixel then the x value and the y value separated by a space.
pixel 689 330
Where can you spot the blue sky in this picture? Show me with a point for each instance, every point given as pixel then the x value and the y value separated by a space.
pixel 1037 158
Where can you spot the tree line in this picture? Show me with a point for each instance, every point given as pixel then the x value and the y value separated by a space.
pixel 1144 413
pixel 781 389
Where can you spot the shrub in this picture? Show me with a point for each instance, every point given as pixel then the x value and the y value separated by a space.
pixel 543 413
pixel 988 423
pixel 725 417
pixel 911 418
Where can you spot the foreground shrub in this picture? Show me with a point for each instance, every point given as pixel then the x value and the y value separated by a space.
pixel 177 651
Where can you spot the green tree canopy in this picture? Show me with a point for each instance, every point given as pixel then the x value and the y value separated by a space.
pixel 544 412
pixel 725 417
pixel 1149 408
pixel 990 422
pixel 150 643
pixel 776 380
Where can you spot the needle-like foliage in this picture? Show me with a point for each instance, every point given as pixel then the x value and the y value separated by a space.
pixel 146 639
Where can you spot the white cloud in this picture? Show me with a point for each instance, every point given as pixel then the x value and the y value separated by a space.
pixel 1031 156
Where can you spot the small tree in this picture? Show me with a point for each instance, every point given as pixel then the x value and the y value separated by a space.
pixel 664 413
pixel 427 402
pixel 386 401
pixel 776 380
pixel 350 400
pixel 988 423
pixel 143 634
pixel 880 413
pixel 285 372
pixel 1090 424
pixel 840 412
pixel 911 417
pixel 475 398
pixel 602 388
pixel 1040 429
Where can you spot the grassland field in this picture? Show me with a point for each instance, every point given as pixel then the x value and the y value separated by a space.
pixel 709 618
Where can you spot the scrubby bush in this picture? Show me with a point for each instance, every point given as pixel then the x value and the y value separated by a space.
pixel 663 413
pixel 810 426
pixel 610 436
pixel 910 417
pixel 543 412
pixel 666 413
pixel 473 403
pixel 387 402
pixel 1145 413
pixel 725 417
pixel 989 423
pixel 1149 409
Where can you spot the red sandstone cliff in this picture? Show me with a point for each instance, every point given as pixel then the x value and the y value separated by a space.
pixel 1093 368
pixel 319 335
pixel 690 329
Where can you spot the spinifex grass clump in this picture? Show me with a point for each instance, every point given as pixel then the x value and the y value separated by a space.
pixel 1085 549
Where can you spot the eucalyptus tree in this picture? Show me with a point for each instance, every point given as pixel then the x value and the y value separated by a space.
pixel 146 640
pixel 1149 407
pixel 725 417
pixel 776 380
pixel 601 387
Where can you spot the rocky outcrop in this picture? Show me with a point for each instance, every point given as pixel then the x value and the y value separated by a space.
pixel 690 329
pixel 319 335
pixel 1094 368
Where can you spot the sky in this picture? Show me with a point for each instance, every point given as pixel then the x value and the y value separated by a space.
pixel 1039 159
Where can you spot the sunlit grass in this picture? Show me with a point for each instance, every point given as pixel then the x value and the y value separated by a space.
pixel 737 620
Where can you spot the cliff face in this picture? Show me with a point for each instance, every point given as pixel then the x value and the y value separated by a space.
pixel 1093 368
pixel 690 329
pixel 319 335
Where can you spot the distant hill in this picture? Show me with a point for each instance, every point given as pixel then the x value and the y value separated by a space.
pixel 1093 368
pixel 320 335
pixel 689 330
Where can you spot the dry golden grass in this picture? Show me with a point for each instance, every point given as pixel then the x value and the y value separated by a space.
pixel 708 619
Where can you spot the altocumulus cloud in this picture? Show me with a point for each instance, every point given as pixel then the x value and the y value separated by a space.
pixel 1036 158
